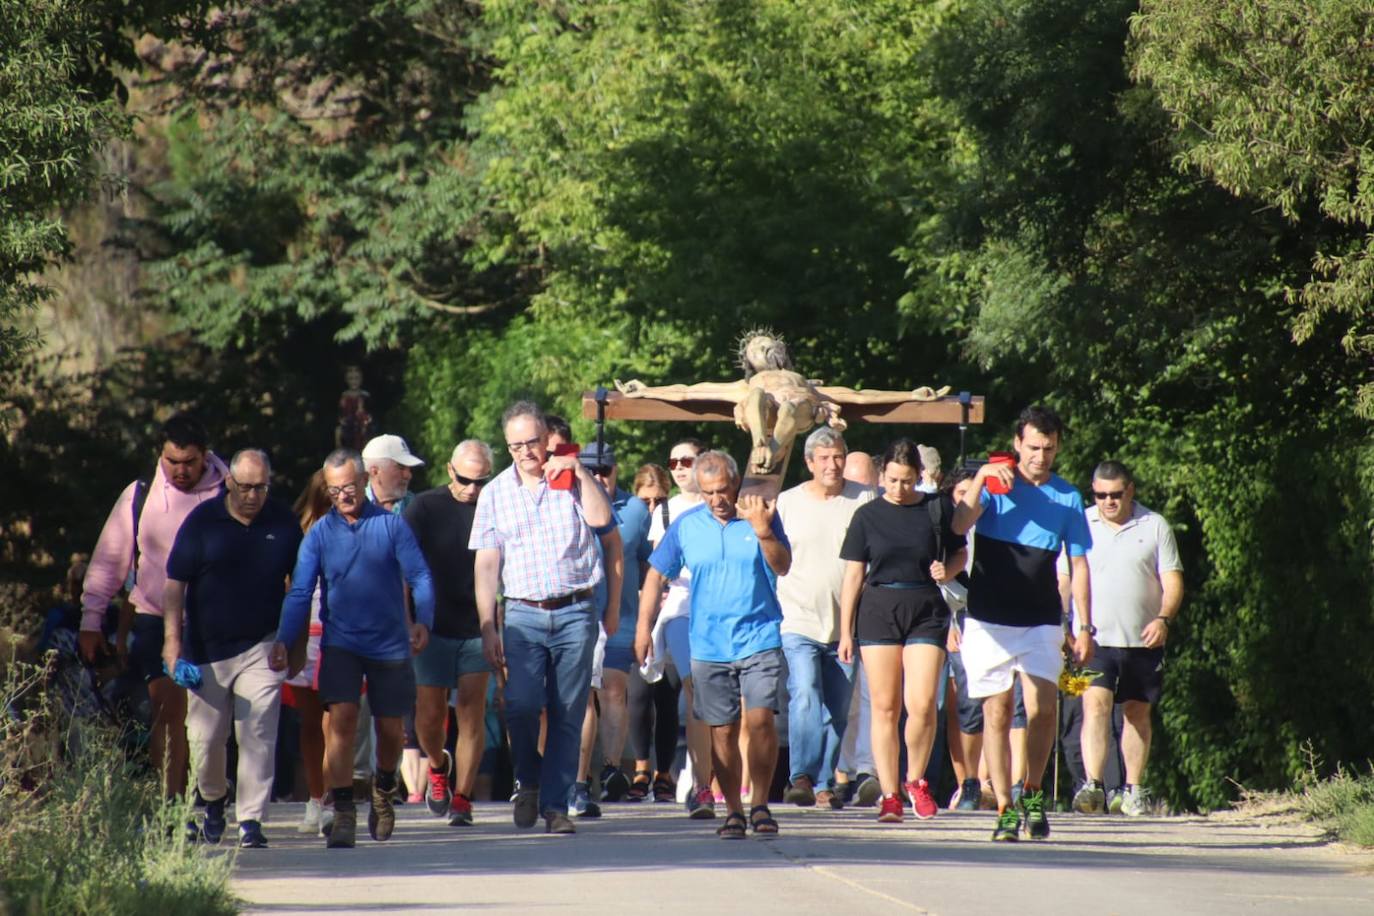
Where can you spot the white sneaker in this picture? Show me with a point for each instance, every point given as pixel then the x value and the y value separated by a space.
pixel 326 819
pixel 311 822
pixel 1135 801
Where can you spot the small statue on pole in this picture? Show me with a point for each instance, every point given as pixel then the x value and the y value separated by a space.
pixel 355 425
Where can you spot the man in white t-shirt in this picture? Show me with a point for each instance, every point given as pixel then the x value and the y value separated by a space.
pixel 1137 590
pixel 819 685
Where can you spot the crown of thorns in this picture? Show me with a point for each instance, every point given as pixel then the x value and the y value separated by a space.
pixel 749 336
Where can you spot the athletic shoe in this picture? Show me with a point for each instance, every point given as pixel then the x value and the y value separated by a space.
pixel 526 806
pixel 614 784
pixel 381 817
pixel 326 818
pixel 310 823
pixel 665 790
pixel 1033 805
pixel 1114 801
pixel 1008 827
pixel 970 794
pixel 414 798
pixel 1017 790
pixel 1135 801
pixel 439 795
pixel 868 792
pixel 515 790
pixel 557 822
pixel 460 811
pixel 250 835
pixel 214 825
pixel 1090 799
pixel 845 791
pixel 827 799
pixel 922 802
pixel 344 829
pixel 701 804
pixel 580 802
pixel 890 811
pixel 801 793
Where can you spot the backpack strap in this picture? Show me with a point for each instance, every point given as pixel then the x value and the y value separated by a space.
pixel 935 506
pixel 140 498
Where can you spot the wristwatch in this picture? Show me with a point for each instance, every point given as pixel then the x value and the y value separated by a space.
pixel 1087 628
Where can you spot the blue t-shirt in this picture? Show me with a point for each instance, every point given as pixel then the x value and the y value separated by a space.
pixel 734 602
pixel 361 567
pixel 235 576
pixel 632 519
pixel 1015 545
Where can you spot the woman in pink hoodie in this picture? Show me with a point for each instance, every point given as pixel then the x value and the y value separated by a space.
pixel 187 474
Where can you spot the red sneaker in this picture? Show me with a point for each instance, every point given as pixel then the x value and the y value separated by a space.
pixel 460 811
pixel 439 796
pixel 890 810
pixel 922 802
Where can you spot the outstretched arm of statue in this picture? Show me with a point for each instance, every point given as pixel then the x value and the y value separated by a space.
pixel 850 396
pixel 701 391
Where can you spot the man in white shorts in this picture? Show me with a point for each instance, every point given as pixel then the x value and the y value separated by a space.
pixel 1025 514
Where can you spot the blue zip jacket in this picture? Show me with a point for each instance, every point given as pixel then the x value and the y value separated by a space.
pixel 362 603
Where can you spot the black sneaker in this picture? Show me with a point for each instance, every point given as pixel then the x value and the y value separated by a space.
pixel 212 830
pixel 526 806
pixel 250 835
pixel 381 818
pixel 867 790
pixel 1033 805
pixel 345 827
pixel 615 785
pixel 1008 828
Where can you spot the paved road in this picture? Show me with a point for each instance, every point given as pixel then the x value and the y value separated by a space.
pixel 649 859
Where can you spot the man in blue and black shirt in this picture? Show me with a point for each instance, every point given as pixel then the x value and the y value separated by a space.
pixel 360 554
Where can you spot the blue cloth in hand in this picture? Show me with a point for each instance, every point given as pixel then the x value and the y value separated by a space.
pixel 186 674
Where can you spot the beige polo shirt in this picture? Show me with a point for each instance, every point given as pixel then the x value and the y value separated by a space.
pixel 810 592
pixel 1125 567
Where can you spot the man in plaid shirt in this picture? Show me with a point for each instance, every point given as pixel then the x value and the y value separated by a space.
pixel 535 536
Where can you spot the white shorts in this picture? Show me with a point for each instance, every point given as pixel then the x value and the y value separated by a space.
pixel 992 654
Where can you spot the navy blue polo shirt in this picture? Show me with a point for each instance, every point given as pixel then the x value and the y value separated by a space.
pixel 235 576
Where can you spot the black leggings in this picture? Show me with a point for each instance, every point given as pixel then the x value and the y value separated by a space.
pixel 652 712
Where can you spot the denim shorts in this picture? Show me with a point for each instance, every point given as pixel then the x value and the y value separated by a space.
pixel 717 687
pixel 446 659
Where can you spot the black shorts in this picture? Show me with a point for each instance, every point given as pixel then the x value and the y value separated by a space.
pixel 902 617
pixel 390 683
pixel 145 647
pixel 1130 673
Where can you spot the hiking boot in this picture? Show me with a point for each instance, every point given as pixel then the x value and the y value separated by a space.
pixel 250 835
pixel 558 822
pixel 438 796
pixel 922 802
pixel 1135 801
pixel 460 811
pixel 526 806
pixel 890 811
pixel 701 804
pixel 615 785
pixel 868 791
pixel 381 818
pixel 1008 827
pixel 1090 799
pixel 580 802
pixel 212 829
pixel 344 829
pixel 801 793
pixel 827 799
pixel 969 795
pixel 310 823
pixel 1033 806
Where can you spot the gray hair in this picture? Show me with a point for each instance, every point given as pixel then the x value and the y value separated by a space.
pixel 342 456
pixel 254 453
pixel 713 462
pixel 525 409
pixel 474 445
pixel 823 437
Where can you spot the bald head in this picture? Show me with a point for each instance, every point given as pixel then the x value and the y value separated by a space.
pixel 859 468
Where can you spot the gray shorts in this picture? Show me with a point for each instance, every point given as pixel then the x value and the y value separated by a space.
pixel 717 687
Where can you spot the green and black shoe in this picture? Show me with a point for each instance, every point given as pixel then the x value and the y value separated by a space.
pixel 1008 827
pixel 1037 825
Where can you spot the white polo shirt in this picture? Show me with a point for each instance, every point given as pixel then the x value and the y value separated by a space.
pixel 1126 567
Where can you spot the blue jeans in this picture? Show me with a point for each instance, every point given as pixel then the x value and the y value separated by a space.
pixel 549 656
pixel 819 686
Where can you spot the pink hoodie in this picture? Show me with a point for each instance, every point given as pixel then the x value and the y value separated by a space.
pixel 163 512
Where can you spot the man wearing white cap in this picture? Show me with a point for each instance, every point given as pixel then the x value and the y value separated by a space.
pixel 388 461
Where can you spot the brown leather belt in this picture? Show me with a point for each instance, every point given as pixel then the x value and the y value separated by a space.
pixel 553 604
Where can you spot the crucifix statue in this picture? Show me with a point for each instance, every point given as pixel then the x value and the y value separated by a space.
pixel 775 404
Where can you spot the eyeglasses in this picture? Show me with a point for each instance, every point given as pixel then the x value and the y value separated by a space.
pixel 1115 494
pixel 249 488
pixel 349 489
pixel 469 481
pixel 602 470
pixel 675 463
pixel 526 446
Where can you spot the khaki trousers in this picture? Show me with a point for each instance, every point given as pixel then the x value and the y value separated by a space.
pixel 245 692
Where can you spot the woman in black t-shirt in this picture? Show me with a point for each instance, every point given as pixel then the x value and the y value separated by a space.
pixel 897 552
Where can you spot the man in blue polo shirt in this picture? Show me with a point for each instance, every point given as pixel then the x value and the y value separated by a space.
pixel 361 554
pixel 735 549
pixel 1013 626
pixel 227 570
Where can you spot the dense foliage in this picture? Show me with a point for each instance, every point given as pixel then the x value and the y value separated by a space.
pixel 1034 199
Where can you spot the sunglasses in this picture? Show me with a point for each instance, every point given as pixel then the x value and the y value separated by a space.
pixel 601 470
pixel 1115 494
pixel 467 481
pixel 675 463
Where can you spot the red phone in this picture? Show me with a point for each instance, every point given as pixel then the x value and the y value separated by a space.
pixel 563 480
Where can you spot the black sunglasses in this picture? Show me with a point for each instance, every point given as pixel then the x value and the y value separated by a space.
pixel 468 481
pixel 1115 494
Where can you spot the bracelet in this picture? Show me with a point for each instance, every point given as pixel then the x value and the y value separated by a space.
pixel 1167 622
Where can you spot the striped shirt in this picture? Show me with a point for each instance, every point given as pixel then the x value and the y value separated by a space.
pixel 547 548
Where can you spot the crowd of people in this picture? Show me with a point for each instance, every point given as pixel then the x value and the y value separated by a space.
pixel 842 614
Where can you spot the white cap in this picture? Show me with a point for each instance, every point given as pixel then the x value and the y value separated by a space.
pixel 393 447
